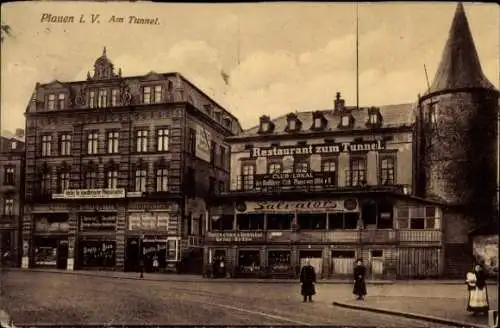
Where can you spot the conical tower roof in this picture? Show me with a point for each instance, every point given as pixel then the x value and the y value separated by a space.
pixel 459 67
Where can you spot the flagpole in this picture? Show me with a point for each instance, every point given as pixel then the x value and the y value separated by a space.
pixel 357 58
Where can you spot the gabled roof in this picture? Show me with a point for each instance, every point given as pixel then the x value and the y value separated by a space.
pixel 459 67
pixel 392 116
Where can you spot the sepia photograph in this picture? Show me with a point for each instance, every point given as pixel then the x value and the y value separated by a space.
pixel 243 164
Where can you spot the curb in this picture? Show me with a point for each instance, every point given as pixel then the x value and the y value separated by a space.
pixel 411 316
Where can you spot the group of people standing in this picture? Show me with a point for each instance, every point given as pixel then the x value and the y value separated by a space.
pixel 308 281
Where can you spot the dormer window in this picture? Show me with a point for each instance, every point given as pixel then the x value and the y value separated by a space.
pixel 51 104
pixel 218 116
pixel 292 125
pixel 373 118
pixel 14 144
pixel 318 122
pixel 345 121
pixel 266 125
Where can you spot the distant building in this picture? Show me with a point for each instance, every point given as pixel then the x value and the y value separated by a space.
pixel 118 169
pixel 11 196
pixel 457 145
pixel 329 185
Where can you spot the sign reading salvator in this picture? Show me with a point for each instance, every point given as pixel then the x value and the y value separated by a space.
pixel 318 149
pixel 297 206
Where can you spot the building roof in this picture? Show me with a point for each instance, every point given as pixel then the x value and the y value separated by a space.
pixel 459 67
pixel 392 116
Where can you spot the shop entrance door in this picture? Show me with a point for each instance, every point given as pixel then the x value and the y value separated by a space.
pixel 62 255
pixel 132 255
pixel 316 259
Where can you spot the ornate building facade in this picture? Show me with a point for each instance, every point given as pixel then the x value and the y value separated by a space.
pixel 11 196
pixel 118 170
pixel 331 186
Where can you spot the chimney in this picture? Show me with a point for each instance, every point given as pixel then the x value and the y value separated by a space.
pixel 339 103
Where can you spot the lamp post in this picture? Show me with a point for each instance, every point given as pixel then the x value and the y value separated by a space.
pixel 141 256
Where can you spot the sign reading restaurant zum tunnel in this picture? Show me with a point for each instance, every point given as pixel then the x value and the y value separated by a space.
pixel 348 205
pixel 318 149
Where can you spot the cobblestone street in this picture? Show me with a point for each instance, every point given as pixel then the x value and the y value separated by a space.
pixel 50 298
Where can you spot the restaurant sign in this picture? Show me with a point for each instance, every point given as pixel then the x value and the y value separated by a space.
pixel 90 193
pixel 150 222
pixel 235 237
pixel 295 179
pixel 310 206
pixel 334 148
pixel 97 222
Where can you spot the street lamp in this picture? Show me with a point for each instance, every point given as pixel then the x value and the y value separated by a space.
pixel 141 256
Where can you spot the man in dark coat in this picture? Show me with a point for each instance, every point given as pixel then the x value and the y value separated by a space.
pixel 307 280
pixel 359 280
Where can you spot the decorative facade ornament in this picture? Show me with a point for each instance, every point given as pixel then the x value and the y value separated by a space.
pixel 126 96
pixel 80 98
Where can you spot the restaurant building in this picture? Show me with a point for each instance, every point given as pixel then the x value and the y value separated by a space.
pixel 11 196
pixel 118 169
pixel 328 185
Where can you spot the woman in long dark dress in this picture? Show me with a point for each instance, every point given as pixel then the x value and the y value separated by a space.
pixel 478 294
pixel 307 280
pixel 359 280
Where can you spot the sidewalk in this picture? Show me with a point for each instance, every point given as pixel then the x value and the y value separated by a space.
pixel 440 310
pixel 201 279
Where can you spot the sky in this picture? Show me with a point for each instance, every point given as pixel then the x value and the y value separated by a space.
pixel 280 57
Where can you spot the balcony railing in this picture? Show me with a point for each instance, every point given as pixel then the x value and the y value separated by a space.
pixel 427 235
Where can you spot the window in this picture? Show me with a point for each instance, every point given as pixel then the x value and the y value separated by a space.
pixel 387 171
pixel 250 221
pixel 161 179
pixel 301 166
pixel 62 181
pixel 9 176
pixel 213 151
pixel 140 180
pixel 222 156
pixel 92 142
pixel 247 177
pixel 248 260
pixel 192 141
pixel 218 116
pixel 157 94
pixel 357 174
pixel 345 121
pixel 91 98
pixel 312 221
pixel 46 145
pixel 264 126
pixel 141 141
pixel 227 123
pixel 222 222
pixel 329 166
pixel 103 98
pixel 418 217
pixel 61 101
pixel 292 125
pixel 343 221
pixel 274 168
pixel 113 137
pixel 433 113
pixel 111 179
pixel 8 206
pixel 146 95
pixel 91 179
pixel 279 261
pixel 222 186
pixel 172 250
pixel 318 122
pixel 45 183
pixel 373 118
pixel 115 93
pixel 162 142
pixel 51 104
pixel 14 145
pixel 282 221
pixel 65 145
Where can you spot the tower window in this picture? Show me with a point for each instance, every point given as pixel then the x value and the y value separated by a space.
pixel 433 113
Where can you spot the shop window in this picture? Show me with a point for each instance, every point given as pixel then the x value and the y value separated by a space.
pixel 346 254
pixel 279 221
pixel 248 261
pixel 153 250
pixel 312 221
pixel 222 222
pixel 279 261
pixel 376 253
pixel 250 221
pixel 97 253
pixel 45 252
pixel 343 221
pixel 172 250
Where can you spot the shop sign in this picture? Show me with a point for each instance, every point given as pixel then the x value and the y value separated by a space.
pixel 297 206
pixel 97 222
pixel 148 222
pixel 322 149
pixel 43 225
pixel 235 237
pixel 203 143
pixel 295 179
pixel 90 193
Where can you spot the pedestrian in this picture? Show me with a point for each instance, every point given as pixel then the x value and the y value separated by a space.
pixel 156 264
pixel 359 280
pixel 215 267
pixel 141 267
pixel 477 302
pixel 222 268
pixel 307 281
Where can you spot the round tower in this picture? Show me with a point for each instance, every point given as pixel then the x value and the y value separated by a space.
pixel 459 122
